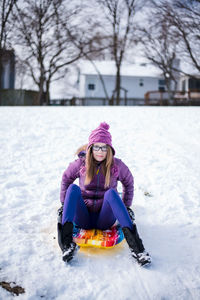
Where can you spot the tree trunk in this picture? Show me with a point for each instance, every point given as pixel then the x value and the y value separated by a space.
pixel 169 90
pixel 47 98
pixel 118 86
pixel 0 77
pixel 41 92
pixel 42 82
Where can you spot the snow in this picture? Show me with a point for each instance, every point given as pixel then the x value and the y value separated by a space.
pixel 161 147
pixel 140 68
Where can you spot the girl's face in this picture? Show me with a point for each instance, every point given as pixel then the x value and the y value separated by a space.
pixel 99 151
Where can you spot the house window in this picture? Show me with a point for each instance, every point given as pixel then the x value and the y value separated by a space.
pixel 194 84
pixel 161 85
pixel 141 83
pixel 161 89
pixel 161 82
pixel 91 86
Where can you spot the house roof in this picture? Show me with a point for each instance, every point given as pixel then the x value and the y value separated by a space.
pixel 106 67
pixel 195 75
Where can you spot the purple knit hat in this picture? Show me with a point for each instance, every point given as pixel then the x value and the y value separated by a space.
pixel 101 135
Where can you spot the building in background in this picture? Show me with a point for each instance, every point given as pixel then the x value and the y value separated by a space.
pixel 8 94
pixel 190 83
pixel 136 80
pixel 7 69
pixel 188 90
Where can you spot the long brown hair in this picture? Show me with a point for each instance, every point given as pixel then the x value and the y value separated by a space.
pixel 91 164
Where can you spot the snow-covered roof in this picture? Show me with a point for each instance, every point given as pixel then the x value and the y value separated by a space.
pixel 196 75
pixel 107 67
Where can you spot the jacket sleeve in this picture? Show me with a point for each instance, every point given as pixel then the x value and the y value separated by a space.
pixel 127 180
pixel 69 176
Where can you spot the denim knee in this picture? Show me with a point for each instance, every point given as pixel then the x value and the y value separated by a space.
pixel 111 193
pixel 74 188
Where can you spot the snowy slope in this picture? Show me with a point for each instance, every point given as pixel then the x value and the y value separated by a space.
pixel 161 146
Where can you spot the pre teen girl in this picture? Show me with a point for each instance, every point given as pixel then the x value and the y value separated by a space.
pixel 95 203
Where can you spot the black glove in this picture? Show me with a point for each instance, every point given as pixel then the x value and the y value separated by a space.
pixel 59 213
pixel 131 214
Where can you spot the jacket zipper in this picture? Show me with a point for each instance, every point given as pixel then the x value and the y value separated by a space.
pixel 97 173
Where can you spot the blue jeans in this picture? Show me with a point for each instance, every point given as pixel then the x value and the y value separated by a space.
pixel 112 209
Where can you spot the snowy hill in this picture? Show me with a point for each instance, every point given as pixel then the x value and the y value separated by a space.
pixel 161 147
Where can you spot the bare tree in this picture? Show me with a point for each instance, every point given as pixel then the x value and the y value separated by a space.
pixel 185 17
pixel 6 8
pixel 89 40
pixel 118 24
pixel 45 48
pixel 160 43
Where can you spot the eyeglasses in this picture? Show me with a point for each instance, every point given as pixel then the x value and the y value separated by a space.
pixel 97 148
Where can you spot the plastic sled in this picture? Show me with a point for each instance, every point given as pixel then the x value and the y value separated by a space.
pixel 98 238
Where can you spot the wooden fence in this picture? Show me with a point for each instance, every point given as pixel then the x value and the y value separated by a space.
pixel 179 98
pixel 95 102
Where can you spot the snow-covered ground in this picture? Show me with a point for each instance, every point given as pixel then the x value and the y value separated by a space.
pixel 161 146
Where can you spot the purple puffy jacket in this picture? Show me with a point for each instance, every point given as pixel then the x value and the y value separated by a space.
pixel 93 193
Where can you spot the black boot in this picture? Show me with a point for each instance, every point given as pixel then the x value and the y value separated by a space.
pixel 68 246
pixel 136 246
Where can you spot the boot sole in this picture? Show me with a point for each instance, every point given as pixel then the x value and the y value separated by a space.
pixel 145 264
pixel 69 257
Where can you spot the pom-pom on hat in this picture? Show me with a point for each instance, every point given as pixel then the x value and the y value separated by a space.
pixel 101 135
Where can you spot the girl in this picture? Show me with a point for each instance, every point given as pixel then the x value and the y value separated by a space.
pixel 95 203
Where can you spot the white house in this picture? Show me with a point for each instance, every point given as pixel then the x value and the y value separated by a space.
pixel 189 83
pixel 188 89
pixel 136 79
